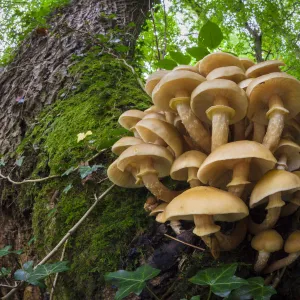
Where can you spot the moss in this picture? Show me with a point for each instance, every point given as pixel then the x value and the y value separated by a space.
pixel 104 90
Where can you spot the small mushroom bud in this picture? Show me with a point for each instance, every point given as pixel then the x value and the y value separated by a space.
pixel 150 204
pixel 265 243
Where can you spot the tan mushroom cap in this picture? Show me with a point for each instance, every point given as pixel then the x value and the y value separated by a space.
pixel 205 200
pixel 247 63
pixel 153 80
pixel 219 164
pixel 152 129
pixel 217 60
pixel 152 109
pixel 268 241
pixel 189 159
pixel 292 152
pixel 172 84
pixel 262 88
pixel 124 179
pixel 244 84
pixel 235 74
pixel 155 115
pixel 263 68
pixel 129 118
pixel 158 209
pixel 273 182
pixel 204 95
pixel 124 143
pixel 187 68
pixel 134 156
pixel 292 243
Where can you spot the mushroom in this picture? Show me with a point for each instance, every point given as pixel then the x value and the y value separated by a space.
pixel 180 127
pixel 206 204
pixel 148 163
pixel 263 68
pixel 123 143
pixel 173 94
pixel 265 242
pixel 235 164
pixel 246 62
pixel 292 247
pixel 160 132
pixel 220 102
pixel 152 109
pixel 288 155
pixel 235 74
pixel 270 188
pixel 185 167
pixel 153 80
pixel 275 97
pixel 150 204
pixel 129 118
pixel 187 68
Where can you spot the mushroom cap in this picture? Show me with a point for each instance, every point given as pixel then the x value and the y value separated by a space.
pixel 204 95
pixel 155 115
pixel 186 68
pixel 247 63
pixel 158 209
pixel 292 243
pixel 267 241
pixel 292 152
pixel 235 74
pixel 152 129
pixel 152 109
pixel 129 118
pixel 273 182
pixel 204 200
pixel 262 88
pixel 133 156
pixel 217 60
pixel 171 84
pixel 124 179
pixel 263 68
pixel 123 143
pixel 153 80
pixel 244 84
pixel 189 159
pixel 220 163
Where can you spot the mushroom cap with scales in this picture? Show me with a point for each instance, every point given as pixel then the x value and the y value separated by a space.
pixel 171 84
pixel 267 241
pixel 153 80
pixel 204 95
pixel 272 182
pixel 124 179
pixel 134 156
pixel 123 143
pixel 261 89
pixel 247 63
pixel 129 118
pixel 292 243
pixel 235 74
pixel 203 200
pixel 218 166
pixel 263 68
pixel 218 60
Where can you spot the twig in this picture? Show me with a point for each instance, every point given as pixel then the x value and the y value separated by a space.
pixel 152 293
pixel 56 275
pixel 8 286
pixel 171 237
pixel 165 31
pixel 278 278
pixel 155 34
pixel 63 240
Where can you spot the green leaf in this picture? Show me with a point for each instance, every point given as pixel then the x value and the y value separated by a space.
pixel 193 298
pixel 4 272
pixel 180 58
pixel 131 282
pixel 2 162
pixel 67 188
pixel 255 289
pixel 19 161
pixel 221 280
pixel 197 52
pixel 69 171
pixel 85 171
pixel 166 63
pixel 210 35
pixel 6 250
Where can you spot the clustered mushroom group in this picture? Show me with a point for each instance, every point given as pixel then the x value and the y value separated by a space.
pixel 228 127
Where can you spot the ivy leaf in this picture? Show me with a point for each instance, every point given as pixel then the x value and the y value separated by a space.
pixel 131 282
pixel 67 188
pixel 180 58
pixel 2 162
pixel 85 171
pixel 19 161
pixel 69 171
pixel 221 280
pixel 6 250
pixel 255 289
pixel 4 272
pixel 197 52
pixel 166 63
pixel 210 35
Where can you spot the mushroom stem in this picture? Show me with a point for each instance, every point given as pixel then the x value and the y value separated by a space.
pixel 192 177
pixel 204 225
pixel 282 162
pixel 176 226
pixel 230 242
pixel 262 260
pixel 170 117
pixel 279 264
pixel 192 124
pixel 212 243
pixel 269 222
pixel 276 114
pixel 239 130
pixel 135 133
pixel 288 209
pixel 258 132
pixel 275 201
